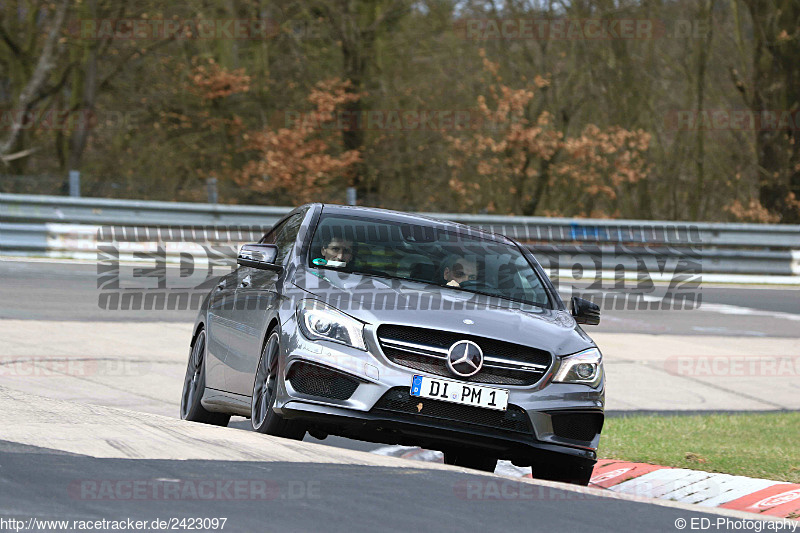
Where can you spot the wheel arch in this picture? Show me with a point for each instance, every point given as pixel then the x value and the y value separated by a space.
pixel 274 323
pixel 200 326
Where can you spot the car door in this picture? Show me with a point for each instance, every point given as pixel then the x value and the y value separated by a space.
pixel 256 295
pixel 220 328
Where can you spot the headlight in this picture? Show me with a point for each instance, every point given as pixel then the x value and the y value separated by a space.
pixel 583 367
pixel 318 320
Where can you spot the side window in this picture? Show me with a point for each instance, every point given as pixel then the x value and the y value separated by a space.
pixel 269 238
pixel 286 235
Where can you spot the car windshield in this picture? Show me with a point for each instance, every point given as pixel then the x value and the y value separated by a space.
pixel 459 260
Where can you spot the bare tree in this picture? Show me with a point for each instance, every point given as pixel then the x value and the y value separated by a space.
pixel 31 93
pixel 773 90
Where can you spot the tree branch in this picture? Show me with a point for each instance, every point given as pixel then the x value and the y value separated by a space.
pixel 107 80
pixel 52 89
pixel 19 54
pixel 39 76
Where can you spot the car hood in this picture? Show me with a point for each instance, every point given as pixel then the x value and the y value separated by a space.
pixel 377 300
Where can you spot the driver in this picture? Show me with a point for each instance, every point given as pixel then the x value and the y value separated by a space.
pixel 458 269
pixel 337 251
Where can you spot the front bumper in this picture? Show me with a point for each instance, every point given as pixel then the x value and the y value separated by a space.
pixel 360 415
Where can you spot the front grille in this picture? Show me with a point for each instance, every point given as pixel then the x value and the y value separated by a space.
pixel 398 400
pixel 319 381
pixel 422 349
pixel 577 426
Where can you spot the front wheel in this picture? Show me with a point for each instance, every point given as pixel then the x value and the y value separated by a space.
pixel 470 459
pixel 262 416
pixel 194 384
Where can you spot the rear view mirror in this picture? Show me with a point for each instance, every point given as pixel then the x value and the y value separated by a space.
pixel 261 256
pixel 585 312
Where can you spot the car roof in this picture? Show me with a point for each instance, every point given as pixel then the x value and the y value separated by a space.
pixel 401 217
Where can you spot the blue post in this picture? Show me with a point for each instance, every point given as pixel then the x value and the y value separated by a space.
pixel 74 183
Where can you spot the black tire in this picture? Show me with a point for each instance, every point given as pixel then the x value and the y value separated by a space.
pixel 567 470
pixel 475 459
pixel 194 384
pixel 262 416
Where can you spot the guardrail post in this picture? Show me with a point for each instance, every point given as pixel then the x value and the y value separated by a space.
pixel 74 183
pixel 351 196
pixel 213 196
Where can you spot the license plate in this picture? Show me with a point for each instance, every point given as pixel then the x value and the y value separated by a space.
pixel 459 392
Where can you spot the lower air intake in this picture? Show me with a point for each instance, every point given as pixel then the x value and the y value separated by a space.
pixel 319 381
pixel 577 426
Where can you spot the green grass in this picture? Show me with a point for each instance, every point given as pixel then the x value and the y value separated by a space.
pixel 757 445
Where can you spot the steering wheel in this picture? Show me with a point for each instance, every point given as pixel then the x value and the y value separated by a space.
pixel 470 284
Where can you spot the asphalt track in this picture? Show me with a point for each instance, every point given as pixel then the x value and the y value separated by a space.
pixel 147 467
pixel 313 497
pixel 317 490
pixel 44 290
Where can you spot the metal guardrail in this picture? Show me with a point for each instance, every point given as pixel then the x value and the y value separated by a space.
pixel 652 232
pixel 23 237
pixel 67 227
pixel 23 208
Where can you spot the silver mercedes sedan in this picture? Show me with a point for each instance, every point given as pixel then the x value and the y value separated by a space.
pixel 400 329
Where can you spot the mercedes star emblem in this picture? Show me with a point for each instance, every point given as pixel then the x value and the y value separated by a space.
pixel 464 359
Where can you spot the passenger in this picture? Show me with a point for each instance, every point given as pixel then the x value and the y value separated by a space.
pixel 458 269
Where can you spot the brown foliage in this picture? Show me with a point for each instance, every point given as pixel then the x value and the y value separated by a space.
pixel 519 159
pixel 299 160
pixel 210 81
pixel 199 124
pixel 752 211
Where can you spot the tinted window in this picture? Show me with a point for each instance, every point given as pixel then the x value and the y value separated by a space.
pixel 286 235
pixel 269 238
pixel 438 256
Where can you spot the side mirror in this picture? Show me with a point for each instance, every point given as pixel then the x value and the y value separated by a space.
pixel 585 312
pixel 259 256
